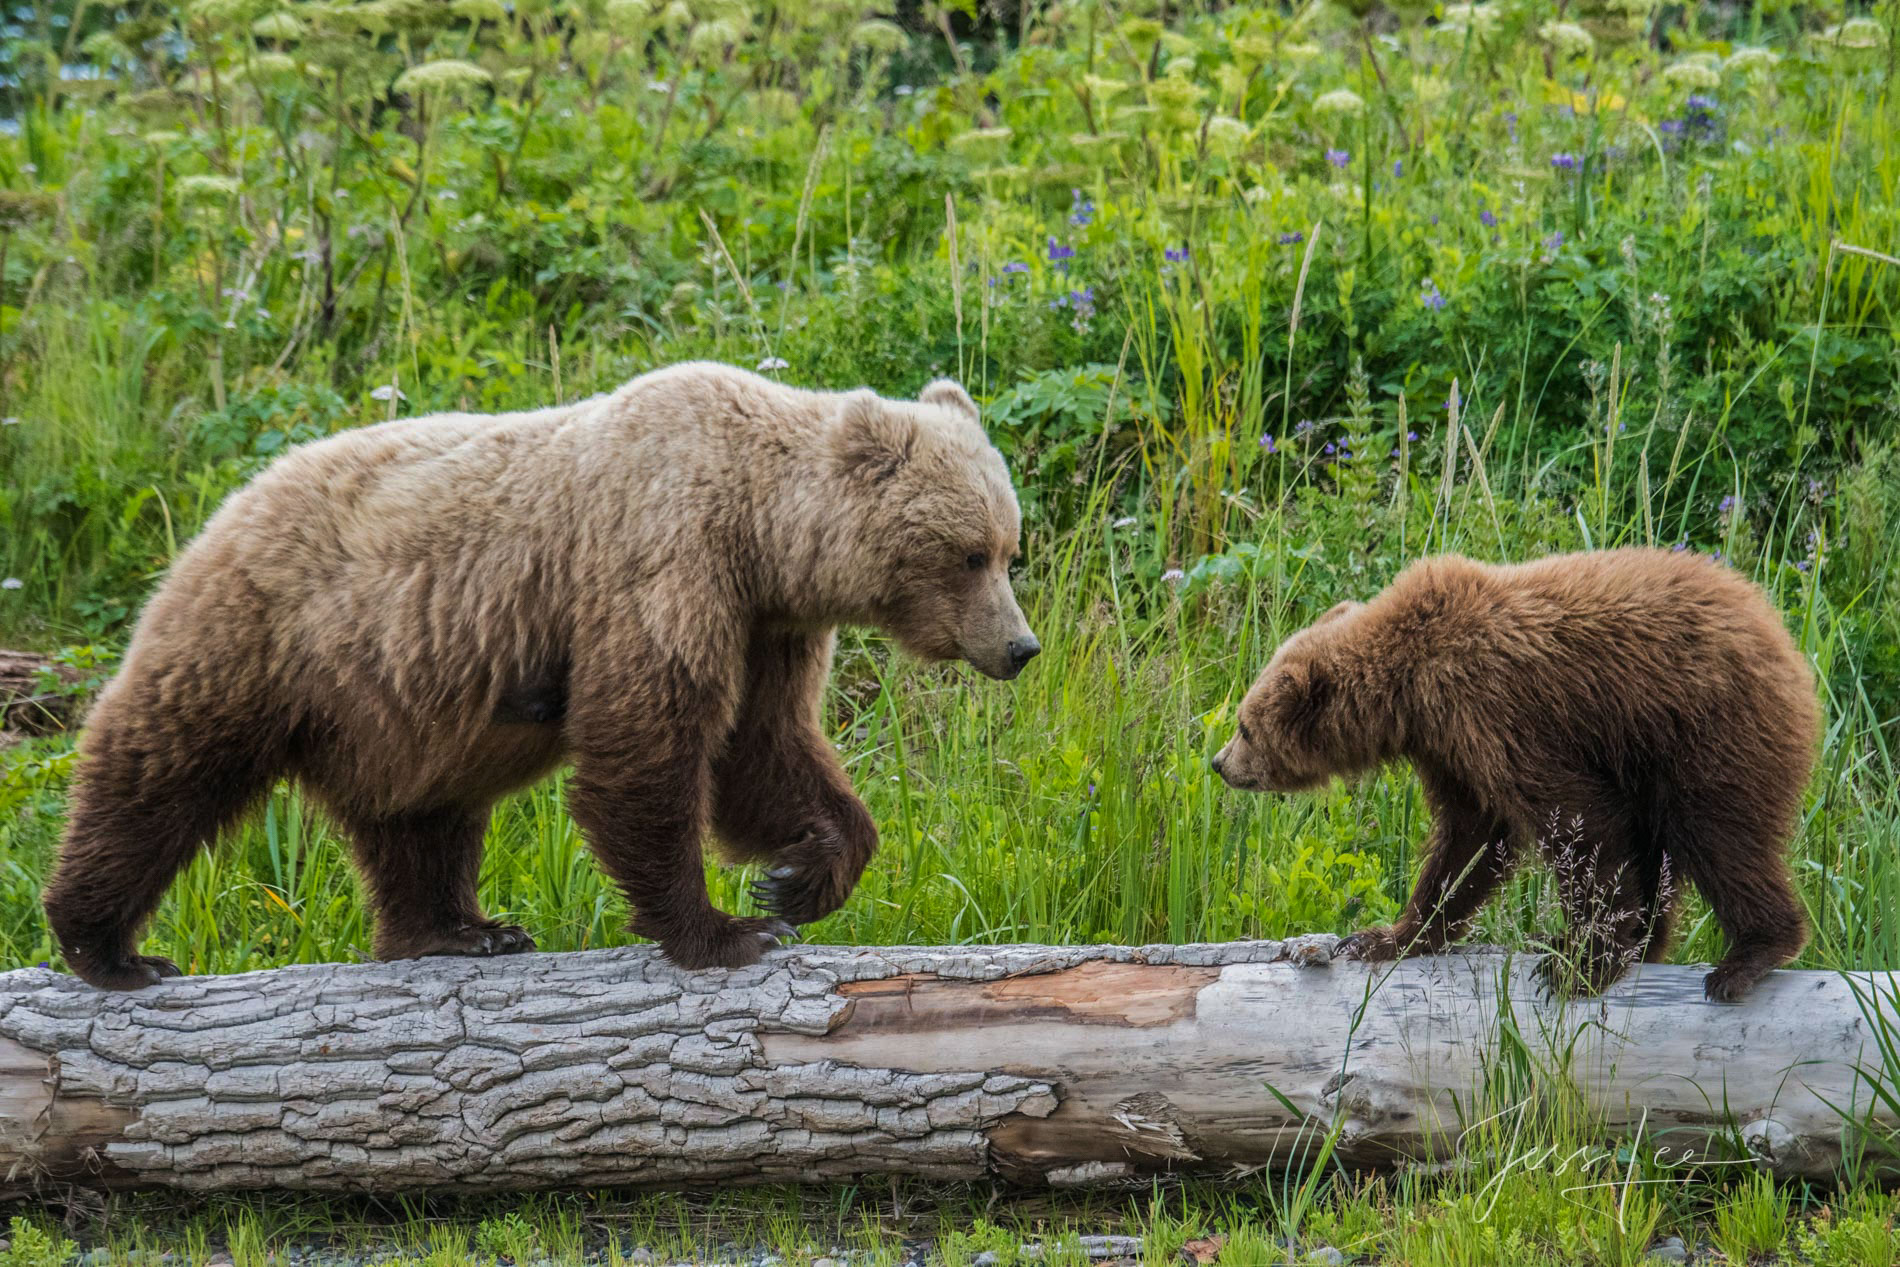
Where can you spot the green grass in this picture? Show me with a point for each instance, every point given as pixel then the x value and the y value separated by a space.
pixel 1542 298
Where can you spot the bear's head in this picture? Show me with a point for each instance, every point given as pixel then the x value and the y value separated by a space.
pixel 935 525
pixel 1297 729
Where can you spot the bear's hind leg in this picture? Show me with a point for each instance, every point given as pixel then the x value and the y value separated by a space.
pixel 1744 877
pixel 151 791
pixel 420 869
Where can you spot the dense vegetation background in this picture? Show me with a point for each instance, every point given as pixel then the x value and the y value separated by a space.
pixel 1261 302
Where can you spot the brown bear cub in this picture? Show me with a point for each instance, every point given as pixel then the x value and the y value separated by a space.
pixel 1642 716
pixel 415 618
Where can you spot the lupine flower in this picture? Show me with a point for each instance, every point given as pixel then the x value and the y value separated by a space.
pixel 1339 158
pixel 1488 218
pixel 1291 239
pixel 1679 547
pixel 1081 210
pixel 1175 254
pixel 1429 295
pixel 1305 427
pixel 1411 437
pixel 1015 266
pixel 1398 167
pixel 1059 254
pixel 1266 442
pixel 1330 449
pixel 1552 245
pixel 1728 504
pixel 771 363
pixel 1564 162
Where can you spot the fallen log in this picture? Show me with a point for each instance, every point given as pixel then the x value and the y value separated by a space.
pixel 31 699
pixel 1037 1064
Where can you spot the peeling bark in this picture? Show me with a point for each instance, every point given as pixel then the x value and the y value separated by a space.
pixel 1039 1064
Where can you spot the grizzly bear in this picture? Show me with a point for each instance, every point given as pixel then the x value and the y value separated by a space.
pixel 417 617
pixel 1641 715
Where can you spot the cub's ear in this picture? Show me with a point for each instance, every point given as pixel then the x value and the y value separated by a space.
pixel 872 440
pixel 949 394
pixel 1302 694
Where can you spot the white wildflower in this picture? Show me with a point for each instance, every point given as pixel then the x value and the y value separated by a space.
pixel 388 391
pixel 12 583
pixel 448 74
pixel 1696 74
pixel 771 363
pixel 1749 60
pixel 1339 101
pixel 1568 38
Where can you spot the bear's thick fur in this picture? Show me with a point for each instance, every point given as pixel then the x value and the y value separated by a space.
pixel 415 618
pixel 1641 715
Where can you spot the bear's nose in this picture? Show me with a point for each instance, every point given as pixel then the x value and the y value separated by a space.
pixel 1216 762
pixel 1022 650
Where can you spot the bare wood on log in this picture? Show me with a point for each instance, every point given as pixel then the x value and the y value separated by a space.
pixel 1040 1064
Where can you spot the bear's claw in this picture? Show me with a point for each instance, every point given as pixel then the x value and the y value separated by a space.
pixel 133 972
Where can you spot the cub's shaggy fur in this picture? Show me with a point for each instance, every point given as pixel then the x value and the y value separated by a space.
pixel 418 617
pixel 1643 716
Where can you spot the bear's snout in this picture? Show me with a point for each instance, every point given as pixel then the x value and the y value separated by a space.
pixel 1022 650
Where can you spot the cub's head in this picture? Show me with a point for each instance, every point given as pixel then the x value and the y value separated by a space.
pixel 1292 735
pixel 938 525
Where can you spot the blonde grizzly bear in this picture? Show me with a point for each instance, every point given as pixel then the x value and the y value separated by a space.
pixel 418 617
pixel 1642 716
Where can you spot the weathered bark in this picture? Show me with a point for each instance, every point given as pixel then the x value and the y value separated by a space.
pixel 1040 1064
pixel 26 706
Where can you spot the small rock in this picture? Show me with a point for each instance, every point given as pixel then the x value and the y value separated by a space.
pixel 641 1255
pixel 1106 1246
pixel 1326 1256
pixel 220 1259
pixel 825 1262
pixel 1669 1250
pixel 988 1258
pixel 6 1245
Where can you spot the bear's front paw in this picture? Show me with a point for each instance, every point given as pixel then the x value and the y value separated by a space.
pixel 126 972
pixel 477 940
pixel 1581 972
pixel 812 876
pixel 726 943
pixel 1369 945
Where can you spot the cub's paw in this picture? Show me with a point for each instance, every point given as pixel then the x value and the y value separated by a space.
pixel 728 943
pixel 1580 975
pixel 1729 983
pixel 125 972
pixel 1369 945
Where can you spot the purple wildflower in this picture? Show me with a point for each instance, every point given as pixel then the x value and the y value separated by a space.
pixel 1430 296
pixel 1330 449
pixel 1488 218
pixel 1058 253
pixel 1699 102
pixel 1679 547
pixel 1174 576
pixel 1727 505
pixel 1398 167
pixel 1339 158
pixel 1266 442
pixel 1015 266
pixel 1564 162
pixel 1305 427
pixel 1175 254
pixel 1292 239
pixel 1411 437
pixel 1081 210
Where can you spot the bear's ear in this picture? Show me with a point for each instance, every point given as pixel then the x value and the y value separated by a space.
pixel 1302 694
pixel 947 393
pixel 872 440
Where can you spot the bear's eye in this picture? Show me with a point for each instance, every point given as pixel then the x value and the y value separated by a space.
pixel 976 562
pixel 1244 736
